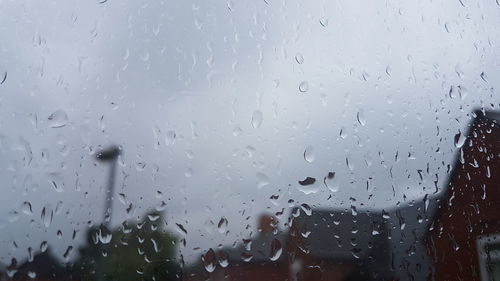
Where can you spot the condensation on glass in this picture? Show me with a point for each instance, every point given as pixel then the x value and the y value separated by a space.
pixel 247 140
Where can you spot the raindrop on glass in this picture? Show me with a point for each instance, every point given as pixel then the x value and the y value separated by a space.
pixel 308 154
pixel 361 118
pixel 323 22
pixel 299 58
pixel 222 225
pixel 303 87
pixel 459 139
pixel 262 180
pixel 257 118
pixel 276 250
pixel 58 119
pixel 331 182
pixel 209 260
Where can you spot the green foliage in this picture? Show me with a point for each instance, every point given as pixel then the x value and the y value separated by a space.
pixel 141 251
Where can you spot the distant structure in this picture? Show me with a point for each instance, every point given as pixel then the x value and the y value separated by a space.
pixel 109 155
pixel 464 241
pixel 451 235
pixel 44 267
pixel 248 261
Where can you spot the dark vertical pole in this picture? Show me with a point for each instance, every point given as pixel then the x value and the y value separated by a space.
pixel 109 155
pixel 108 205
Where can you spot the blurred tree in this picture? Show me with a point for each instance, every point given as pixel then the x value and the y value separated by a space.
pixel 142 251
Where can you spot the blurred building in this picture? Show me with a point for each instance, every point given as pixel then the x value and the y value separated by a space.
pixel 464 241
pixel 44 266
pixel 453 234
pixel 262 257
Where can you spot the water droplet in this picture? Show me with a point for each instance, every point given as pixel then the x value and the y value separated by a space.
pixel 105 236
pixel 276 250
pixel 459 139
pixel 56 181
pixel 222 225
pixel 209 260
pixel 153 217
pixel 324 22
pixel 462 92
pixel 47 216
pixel 43 246
pixel 361 118
pixel 246 257
pixel 306 208
pixel 385 215
pixel 262 180
pixel 156 247
pixel 4 78
pixel 343 132
pixel 67 253
pixel 27 209
pixel 308 154
pixel 223 259
pixel 331 182
pixel 58 119
pixel 299 58
pixel 257 118
pixel 181 228
pixel 123 198
pixel 170 138
pixel 308 186
pixel 354 211
pixel 303 87
pixel 140 166
pixel 484 77
pixel 237 131
pixel 307 181
pixel 13 216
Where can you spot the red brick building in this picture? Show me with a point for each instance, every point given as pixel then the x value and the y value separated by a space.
pixel 464 240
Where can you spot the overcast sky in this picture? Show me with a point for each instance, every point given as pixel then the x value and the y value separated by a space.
pixel 219 105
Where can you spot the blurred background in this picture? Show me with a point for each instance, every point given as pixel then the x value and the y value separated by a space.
pixel 157 139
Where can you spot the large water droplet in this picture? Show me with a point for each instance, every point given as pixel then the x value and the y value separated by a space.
pixel 303 87
pixel 324 22
pixel 43 246
pixel 331 182
pixel 105 236
pixel 306 208
pixel 276 250
pixel 223 259
pixel 58 119
pixel 308 186
pixel 308 154
pixel 307 181
pixel 459 139
pixel 222 225
pixel 47 215
pixel 209 260
pixel 246 257
pixel 27 209
pixel 257 118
